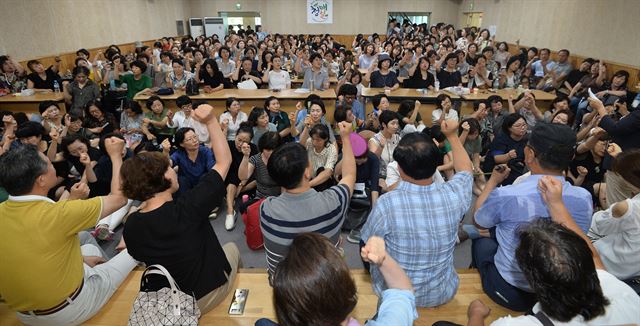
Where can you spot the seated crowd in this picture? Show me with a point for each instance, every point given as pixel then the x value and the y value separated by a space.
pixel 554 226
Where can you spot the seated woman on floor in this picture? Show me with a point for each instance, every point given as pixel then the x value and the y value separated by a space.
pixel 176 233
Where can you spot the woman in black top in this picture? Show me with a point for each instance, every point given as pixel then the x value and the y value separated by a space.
pixel 508 147
pixel 210 76
pixel 421 77
pixel 177 234
pixel 449 76
pixel 97 120
pixel 78 152
pixel 235 186
pixel 43 79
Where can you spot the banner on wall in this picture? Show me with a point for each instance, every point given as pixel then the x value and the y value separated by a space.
pixel 319 11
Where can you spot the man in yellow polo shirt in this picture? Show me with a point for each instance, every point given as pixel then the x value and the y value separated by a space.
pixel 44 275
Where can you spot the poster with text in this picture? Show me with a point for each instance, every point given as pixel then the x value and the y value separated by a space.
pixel 319 11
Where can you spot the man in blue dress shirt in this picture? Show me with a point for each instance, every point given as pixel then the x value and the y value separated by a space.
pixel 504 210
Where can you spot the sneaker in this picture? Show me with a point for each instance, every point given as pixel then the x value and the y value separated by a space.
pixel 230 222
pixel 354 236
pixel 214 213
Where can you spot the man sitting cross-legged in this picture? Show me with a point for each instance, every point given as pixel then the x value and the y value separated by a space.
pixel 300 208
pixel 419 219
pixel 45 274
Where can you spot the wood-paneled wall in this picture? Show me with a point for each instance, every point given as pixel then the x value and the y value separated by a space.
pixel 68 59
pixel 633 84
pixel 634 72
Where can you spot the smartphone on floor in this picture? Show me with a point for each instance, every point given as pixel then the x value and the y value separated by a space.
pixel 238 302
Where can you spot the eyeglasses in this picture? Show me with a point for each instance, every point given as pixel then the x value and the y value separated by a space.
pixel 519 125
pixel 192 139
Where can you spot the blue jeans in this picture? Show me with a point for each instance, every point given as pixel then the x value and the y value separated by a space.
pixel 483 251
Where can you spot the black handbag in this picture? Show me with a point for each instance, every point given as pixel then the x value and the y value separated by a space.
pixel 192 88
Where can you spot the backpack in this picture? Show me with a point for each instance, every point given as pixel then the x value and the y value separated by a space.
pixel 252 231
pixel 192 88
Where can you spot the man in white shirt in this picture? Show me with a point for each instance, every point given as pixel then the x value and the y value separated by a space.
pixel 566 273
pixel 184 119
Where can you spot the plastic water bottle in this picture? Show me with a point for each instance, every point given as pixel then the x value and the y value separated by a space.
pixel 313 85
pixel 56 86
pixel 437 85
pixel 636 102
pixel 112 84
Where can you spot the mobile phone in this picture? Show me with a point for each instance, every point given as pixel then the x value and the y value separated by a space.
pixel 591 95
pixel 238 302
pixel 106 124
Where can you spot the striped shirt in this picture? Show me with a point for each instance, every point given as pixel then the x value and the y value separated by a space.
pixel 419 225
pixel 326 159
pixel 282 218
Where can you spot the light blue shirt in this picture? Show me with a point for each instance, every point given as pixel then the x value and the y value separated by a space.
pixel 357 109
pixel 398 308
pixel 537 68
pixel 510 207
pixel 419 225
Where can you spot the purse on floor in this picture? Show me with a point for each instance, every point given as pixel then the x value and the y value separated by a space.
pixel 167 306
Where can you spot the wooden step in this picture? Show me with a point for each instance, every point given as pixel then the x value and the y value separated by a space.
pixel 260 303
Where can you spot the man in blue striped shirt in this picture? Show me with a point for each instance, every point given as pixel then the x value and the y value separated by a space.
pixel 505 210
pixel 300 208
pixel 419 219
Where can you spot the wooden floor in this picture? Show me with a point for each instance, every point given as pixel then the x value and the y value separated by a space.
pixel 259 303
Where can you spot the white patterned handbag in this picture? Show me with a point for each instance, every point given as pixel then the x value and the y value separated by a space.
pixel 167 306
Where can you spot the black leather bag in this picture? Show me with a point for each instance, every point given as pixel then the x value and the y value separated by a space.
pixel 191 88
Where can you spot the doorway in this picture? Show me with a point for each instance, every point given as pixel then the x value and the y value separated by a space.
pixel 245 18
pixel 473 19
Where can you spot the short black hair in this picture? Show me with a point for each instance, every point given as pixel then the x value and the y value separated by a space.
pixel 183 100
pixel 246 128
pixel 255 114
pixel 133 106
pixel 406 106
pixel 417 156
pixel 315 55
pixel 319 103
pixel 376 99
pixel 77 70
pixel 474 126
pixel 509 121
pixel 139 64
pixel 559 267
pixel 178 138
pixel 152 99
pixel 44 105
pixel 21 167
pixel 321 131
pixel 493 99
pixel 70 139
pixel 82 51
pixel 340 113
pixel 178 61
pixel 387 116
pixel 348 89
pixel 287 164
pixel 270 140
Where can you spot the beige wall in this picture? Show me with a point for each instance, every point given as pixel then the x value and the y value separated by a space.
pixel 36 28
pixel 350 16
pixel 605 29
